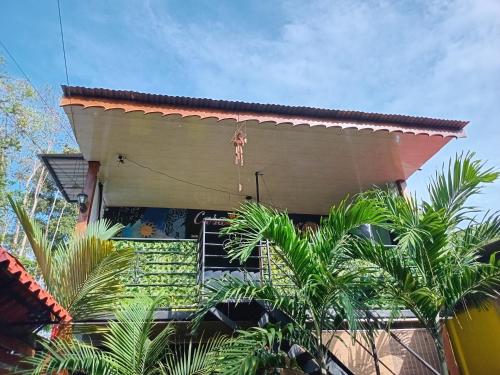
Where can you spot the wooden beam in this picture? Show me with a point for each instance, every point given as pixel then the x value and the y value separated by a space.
pixel 89 189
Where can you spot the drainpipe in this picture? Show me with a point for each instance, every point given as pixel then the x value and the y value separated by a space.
pixel 257 174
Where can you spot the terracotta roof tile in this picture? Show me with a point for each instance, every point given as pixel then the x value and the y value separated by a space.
pixel 22 299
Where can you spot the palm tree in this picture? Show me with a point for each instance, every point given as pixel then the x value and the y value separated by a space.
pixel 434 268
pixel 84 274
pixel 129 348
pixel 324 287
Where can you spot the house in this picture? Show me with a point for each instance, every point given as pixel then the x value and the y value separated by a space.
pixel 171 169
pixel 25 307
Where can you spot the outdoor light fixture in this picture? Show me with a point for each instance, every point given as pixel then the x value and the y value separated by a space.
pixel 82 199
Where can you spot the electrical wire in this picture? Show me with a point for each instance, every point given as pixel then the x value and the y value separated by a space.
pixel 61 30
pixel 140 165
pixel 268 191
pixel 42 98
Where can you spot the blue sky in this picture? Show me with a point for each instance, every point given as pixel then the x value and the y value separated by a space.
pixel 436 58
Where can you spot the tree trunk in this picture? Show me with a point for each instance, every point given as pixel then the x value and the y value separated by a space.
pixel 438 341
pixel 57 225
pixel 56 196
pixel 39 185
pixel 4 232
pixel 27 190
pixel 371 339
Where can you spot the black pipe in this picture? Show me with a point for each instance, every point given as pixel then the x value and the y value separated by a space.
pixel 99 192
pixel 257 174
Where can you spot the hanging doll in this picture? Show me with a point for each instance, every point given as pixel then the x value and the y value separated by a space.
pixel 239 141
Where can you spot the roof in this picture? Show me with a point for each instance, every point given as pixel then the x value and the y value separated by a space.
pixel 22 300
pixel 68 171
pixel 258 108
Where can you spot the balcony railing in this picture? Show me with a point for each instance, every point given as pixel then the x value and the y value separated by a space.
pixel 166 268
pixel 178 270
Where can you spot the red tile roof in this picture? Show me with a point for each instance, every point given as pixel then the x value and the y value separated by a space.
pixel 22 299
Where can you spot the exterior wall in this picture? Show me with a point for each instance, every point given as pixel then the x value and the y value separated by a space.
pixel 475 336
pixel 390 352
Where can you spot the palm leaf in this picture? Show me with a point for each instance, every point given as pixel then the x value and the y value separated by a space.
pixel 72 355
pixel 202 359
pixel 39 243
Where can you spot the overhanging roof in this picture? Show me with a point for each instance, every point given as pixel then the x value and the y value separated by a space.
pixel 310 158
pixel 258 108
pixel 22 300
pixel 68 172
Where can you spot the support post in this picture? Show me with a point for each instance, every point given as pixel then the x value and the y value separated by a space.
pixel 89 189
pixel 257 174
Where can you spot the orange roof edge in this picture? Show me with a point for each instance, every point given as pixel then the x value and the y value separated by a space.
pixel 13 268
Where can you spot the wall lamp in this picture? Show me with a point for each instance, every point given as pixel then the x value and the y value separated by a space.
pixel 82 199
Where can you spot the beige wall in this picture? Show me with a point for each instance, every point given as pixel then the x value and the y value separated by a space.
pixel 391 353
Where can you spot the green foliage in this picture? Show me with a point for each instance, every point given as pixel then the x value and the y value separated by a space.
pixel 256 350
pixel 54 214
pixel 83 274
pixel 133 345
pixel 29 126
pixel 163 269
pixel 435 268
pixel 323 286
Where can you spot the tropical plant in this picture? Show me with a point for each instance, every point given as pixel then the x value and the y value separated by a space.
pixel 434 268
pixel 83 274
pixel 324 286
pixel 257 351
pixel 130 346
pixel 163 263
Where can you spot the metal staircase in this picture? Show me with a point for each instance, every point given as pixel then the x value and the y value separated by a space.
pixel 213 263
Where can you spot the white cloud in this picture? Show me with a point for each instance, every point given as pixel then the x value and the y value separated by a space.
pixel 436 58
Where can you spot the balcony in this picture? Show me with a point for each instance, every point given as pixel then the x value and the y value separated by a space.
pixel 179 269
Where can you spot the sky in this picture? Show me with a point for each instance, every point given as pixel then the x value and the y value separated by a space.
pixel 436 58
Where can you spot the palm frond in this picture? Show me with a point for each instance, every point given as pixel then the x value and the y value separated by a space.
pixel 60 354
pixel 202 359
pixel 256 349
pixel 103 229
pixel 88 270
pixel 39 243
pixel 255 223
pixel 129 337
pixel 83 275
pixel 236 290
pixel 450 189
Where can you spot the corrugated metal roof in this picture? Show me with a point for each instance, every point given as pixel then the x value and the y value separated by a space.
pixel 68 171
pixel 283 110
pixel 22 299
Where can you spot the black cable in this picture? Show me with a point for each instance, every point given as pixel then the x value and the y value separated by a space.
pixel 65 61
pixel 182 180
pixel 42 98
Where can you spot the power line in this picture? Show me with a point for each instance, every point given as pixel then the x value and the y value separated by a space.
pixel 62 41
pixel 65 60
pixel 42 98
pixel 270 202
pixel 181 180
